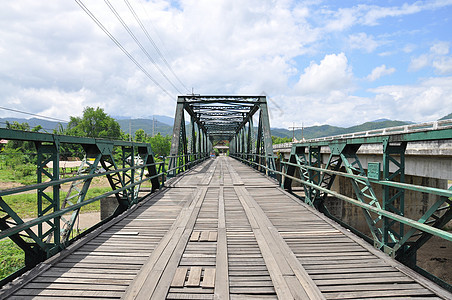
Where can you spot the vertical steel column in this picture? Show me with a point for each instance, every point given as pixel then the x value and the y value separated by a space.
pixel 49 153
pixel 393 198
pixel 193 139
pixel 250 139
pixel 128 160
pixel 363 190
pixel 267 138
pixel 46 154
pixel 176 139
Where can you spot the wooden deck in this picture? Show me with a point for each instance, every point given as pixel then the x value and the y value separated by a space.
pixel 223 231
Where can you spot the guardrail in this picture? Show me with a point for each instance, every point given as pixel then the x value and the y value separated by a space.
pixel 422 127
pixel 125 165
pixel 390 228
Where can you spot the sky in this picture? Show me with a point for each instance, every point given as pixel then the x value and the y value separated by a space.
pixel 340 63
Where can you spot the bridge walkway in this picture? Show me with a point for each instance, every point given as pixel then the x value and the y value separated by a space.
pixel 223 231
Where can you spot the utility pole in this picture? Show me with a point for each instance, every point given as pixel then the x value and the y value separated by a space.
pixel 153 125
pixel 130 130
pixel 293 131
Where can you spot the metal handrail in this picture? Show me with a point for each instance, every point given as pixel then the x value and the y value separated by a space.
pixel 428 126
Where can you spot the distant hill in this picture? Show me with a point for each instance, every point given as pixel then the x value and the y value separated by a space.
pixel 146 125
pixel 328 130
pixel 449 116
pixel 163 119
pixel 48 126
pixel 167 129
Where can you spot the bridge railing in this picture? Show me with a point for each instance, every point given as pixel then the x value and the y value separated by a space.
pixel 185 161
pixel 389 226
pixel 261 162
pixel 421 127
pixel 118 173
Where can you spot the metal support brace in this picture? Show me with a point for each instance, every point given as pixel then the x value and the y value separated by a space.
pixel 363 190
pixel 393 198
pixel 49 203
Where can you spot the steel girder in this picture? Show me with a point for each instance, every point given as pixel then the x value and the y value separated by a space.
pixel 391 231
pixel 215 118
pixel 102 158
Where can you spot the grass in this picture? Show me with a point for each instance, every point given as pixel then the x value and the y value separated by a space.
pixel 25 204
pixel 12 258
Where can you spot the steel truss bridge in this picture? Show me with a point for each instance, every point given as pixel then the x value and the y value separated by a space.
pixel 225 227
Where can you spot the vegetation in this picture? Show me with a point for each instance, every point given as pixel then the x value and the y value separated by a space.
pixel 11 258
pixel 280 140
pixel 327 130
pixel 25 204
pixel 94 123
pixel 449 116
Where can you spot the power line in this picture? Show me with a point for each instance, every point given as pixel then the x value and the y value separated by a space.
pixel 114 11
pixel 154 44
pixel 31 114
pixel 118 44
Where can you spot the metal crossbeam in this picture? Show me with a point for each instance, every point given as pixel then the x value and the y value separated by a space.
pixel 219 118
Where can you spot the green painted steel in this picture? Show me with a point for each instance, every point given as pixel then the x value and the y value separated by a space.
pixel 391 231
pixel 219 118
pixel 126 165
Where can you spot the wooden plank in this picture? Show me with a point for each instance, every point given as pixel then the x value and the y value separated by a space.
pixel 204 236
pixel 208 280
pixel 212 236
pixel 147 279
pixel 179 277
pixel 194 236
pixel 305 285
pixel 371 294
pixel 222 274
pixel 194 277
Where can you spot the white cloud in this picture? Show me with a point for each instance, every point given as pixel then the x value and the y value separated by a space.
pixel 56 48
pixel 363 41
pixel 342 19
pixel 440 48
pixel 443 65
pixel 437 58
pixel 56 61
pixel 428 100
pixel 374 13
pixel 333 73
pixel 379 72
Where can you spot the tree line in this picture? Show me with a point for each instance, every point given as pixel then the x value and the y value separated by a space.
pixel 94 123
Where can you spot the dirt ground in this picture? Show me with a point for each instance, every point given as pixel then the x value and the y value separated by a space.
pixel 436 257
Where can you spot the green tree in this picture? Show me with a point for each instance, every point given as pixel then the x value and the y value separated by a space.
pixel 94 123
pixel 140 136
pixel 161 145
pixel 280 140
pixel 21 146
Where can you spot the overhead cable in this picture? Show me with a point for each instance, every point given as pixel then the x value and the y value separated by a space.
pixel 154 44
pixel 31 114
pixel 118 44
pixel 127 28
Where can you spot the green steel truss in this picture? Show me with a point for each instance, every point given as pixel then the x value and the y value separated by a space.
pixel 220 118
pixel 391 231
pixel 125 164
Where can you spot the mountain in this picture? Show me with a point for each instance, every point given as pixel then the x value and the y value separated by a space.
pixel 162 119
pixel 145 124
pixel 162 125
pixel 328 130
pixel 381 120
pixel 449 116
pixel 48 126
